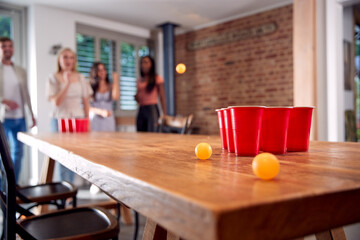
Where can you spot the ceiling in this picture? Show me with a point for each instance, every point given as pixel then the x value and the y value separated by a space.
pixel 190 14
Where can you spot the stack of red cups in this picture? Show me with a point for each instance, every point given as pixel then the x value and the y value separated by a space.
pixel 73 125
pixel 246 130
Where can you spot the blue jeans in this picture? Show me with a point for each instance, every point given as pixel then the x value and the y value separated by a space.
pixel 65 174
pixel 11 128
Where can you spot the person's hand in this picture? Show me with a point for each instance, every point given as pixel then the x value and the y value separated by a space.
pixel 34 122
pixel 106 113
pixel 10 105
pixel 161 119
pixel 67 77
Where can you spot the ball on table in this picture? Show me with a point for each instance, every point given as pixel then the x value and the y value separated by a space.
pixel 266 166
pixel 203 151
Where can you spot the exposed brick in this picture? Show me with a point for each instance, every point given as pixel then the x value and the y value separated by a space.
pixel 255 71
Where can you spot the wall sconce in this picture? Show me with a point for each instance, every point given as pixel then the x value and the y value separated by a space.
pixel 180 68
pixel 55 49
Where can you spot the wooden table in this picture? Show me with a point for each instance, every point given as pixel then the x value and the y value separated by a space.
pixel 159 176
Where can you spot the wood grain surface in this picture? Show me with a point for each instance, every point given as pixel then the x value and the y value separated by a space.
pixel 159 176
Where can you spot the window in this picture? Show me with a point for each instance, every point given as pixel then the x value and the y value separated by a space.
pixel 85 47
pixel 5 26
pixel 120 53
pixel 144 51
pixel 128 77
pixel 107 55
pixel 12 24
pixel 357 78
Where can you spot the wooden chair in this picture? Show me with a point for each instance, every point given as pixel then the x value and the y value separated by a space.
pixel 175 124
pixel 54 193
pixel 75 223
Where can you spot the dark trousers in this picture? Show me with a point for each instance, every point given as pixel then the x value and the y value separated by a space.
pixel 147 118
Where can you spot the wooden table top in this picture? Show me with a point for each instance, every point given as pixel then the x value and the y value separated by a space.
pixel 159 176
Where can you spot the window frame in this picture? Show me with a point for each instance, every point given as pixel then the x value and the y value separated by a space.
pixel 19 16
pixel 119 38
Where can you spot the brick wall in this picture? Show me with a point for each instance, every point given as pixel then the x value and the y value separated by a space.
pixel 254 71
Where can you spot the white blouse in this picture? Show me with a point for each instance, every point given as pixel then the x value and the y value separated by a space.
pixel 72 106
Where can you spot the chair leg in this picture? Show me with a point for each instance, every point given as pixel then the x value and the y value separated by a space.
pixel 136 225
pixel 74 202
pixel 31 207
pixel 118 212
pixel 62 204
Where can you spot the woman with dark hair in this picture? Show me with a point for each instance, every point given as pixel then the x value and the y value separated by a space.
pixel 149 87
pixel 104 93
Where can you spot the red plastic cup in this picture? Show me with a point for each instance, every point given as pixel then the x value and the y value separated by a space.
pixel 246 123
pixel 274 129
pixel 220 113
pixel 299 129
pixel 70 125
pixel 82 124
pixel 229 131
pixel 62 125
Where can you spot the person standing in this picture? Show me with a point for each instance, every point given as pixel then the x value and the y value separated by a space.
pixel 15 99
pixel 149 87
pixel 104 94
pixel 69 92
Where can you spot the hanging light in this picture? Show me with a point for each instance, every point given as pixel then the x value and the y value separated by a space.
pixel 180 68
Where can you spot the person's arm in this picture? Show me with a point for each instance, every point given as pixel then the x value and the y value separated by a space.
pixel 162 98
pixel 86 104
pixel 136 97
pixel 115 91
pixel 12 105
pixel 28 100
pixel 101 112
pixel 59 98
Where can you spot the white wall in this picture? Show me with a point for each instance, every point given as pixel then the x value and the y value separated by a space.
pixel 321 93
pixel 47 27
pixel 335 71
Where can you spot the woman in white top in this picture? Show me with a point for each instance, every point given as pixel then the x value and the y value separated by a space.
pixel 69 92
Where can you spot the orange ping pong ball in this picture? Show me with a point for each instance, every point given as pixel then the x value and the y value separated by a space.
pixel 266 166
pixel 180 68
pixel 203 151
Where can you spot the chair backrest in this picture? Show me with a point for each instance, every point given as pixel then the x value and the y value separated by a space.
pixel 189 121
pixel 8 189
pixel 175 124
